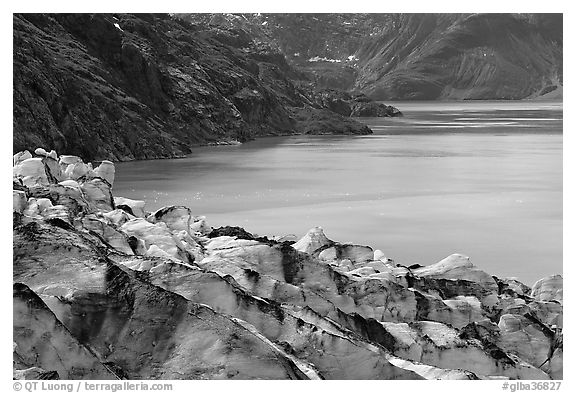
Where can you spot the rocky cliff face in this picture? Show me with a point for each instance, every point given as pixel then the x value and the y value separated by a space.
pixel 127 293
pixel 419 56
pixel 123 87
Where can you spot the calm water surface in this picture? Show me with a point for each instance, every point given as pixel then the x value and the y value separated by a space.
pixel 478 178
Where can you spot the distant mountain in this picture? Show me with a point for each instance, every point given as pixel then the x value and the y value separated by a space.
pixel 418 56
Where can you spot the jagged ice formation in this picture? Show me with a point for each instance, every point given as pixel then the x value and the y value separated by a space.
pixel 104 289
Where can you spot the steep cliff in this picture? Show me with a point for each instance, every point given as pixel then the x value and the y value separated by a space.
pixel 122 87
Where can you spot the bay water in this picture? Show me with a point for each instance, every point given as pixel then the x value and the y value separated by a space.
pixel 482 179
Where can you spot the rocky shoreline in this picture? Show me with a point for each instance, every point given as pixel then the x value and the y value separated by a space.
pixel 124 87
pixel 104 289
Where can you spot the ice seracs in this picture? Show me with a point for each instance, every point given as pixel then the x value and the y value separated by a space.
pixel 176 218
pixel 53 155
pixel 66 160
pixel 45 344
pixel 323 309
pixel 21 156
pixel 312 241
pixel 157 235
pixel 19 201
pixel 521 336
pixel 548 289
pixel 40 152
pixel 77 170
pixel 113 236
pixel 31 172
pixel 379 255
pixel 106 171
pixel 98 195
pixel 457 267
pixel 136 207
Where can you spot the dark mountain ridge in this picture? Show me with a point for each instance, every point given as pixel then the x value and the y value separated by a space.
pixel 123 87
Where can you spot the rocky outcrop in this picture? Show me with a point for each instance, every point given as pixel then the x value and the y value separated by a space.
pixel 312 121
pixel 163 295
pixel 374 109
pixel 352 105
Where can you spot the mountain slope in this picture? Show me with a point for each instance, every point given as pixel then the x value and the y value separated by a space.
pixel 124 87
pixel 475 57
pixel 131 87
pixel 420 56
